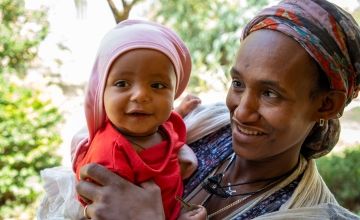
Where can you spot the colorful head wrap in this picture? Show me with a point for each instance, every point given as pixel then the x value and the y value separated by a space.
pixel 129 35
pixel 332 38
pixel 329 34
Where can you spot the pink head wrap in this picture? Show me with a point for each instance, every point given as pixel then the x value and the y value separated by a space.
pixel 128 35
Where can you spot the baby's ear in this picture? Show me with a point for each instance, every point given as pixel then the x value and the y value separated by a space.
pixel 333 103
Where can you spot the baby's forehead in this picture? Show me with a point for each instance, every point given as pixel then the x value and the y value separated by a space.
pixel 146 62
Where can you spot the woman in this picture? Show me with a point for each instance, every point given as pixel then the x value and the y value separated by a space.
pixel 298 66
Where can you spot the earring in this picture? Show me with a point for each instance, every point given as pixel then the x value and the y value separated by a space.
pixel 338 115
pixel 321 122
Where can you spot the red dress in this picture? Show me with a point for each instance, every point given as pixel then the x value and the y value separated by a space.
pixel 159 162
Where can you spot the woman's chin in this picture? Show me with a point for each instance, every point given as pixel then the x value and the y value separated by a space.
pixel 246 153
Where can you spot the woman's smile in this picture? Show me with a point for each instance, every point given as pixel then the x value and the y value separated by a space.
pixel 249 132
pixel 246 134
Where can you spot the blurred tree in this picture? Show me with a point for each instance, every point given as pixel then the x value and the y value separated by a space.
pixel 21 31
pixel 120 13
pixel 341 172
pixel 211 29
pixel 28 123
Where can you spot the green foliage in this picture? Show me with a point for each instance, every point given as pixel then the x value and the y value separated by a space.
pixel 21 31
pixel 341 172
pixel 211 30
pixel 28 124
pixel 28 143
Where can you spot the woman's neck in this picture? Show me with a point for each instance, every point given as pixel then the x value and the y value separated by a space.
pixel 243 171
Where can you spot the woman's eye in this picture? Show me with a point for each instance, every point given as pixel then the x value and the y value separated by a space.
pixel 271 94
pixel 121 83
pixel 158 86
pixel 237 84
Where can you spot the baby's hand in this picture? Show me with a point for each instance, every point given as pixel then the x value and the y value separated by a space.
pixel 198 213
pixel 189 103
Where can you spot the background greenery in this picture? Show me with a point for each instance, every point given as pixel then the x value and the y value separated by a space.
pixel 341 172
pixel 28 123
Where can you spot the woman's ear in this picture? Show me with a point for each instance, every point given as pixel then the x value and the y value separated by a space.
pixel 333 103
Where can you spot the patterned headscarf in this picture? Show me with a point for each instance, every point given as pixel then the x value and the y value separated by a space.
pixel 129 35
pixel 332 38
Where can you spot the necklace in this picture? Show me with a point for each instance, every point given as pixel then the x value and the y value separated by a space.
pixel 236 202
pixel 243 199
pixel 213 184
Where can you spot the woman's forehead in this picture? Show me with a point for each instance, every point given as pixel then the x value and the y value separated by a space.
pixel 271 55
pixel 272 44
pixel 274 50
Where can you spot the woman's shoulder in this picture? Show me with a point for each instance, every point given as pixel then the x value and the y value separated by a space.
pixel 210 151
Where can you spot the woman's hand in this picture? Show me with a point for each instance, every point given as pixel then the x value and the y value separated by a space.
pixel 116 198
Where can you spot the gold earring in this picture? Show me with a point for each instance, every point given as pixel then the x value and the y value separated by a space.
pixel 338 115
pixel 321 122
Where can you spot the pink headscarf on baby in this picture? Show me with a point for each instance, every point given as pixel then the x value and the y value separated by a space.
pixel 128 35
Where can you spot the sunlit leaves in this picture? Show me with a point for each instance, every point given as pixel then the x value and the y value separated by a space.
pixel 29 125
pixel 28 141
pixel 211 29
pixel 21 31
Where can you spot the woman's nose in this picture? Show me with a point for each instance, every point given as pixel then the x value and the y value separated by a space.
pixel 247 109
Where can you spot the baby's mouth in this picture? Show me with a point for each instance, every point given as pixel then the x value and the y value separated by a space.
pixel 138 113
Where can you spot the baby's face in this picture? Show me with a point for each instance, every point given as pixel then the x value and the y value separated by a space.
pixel 139 92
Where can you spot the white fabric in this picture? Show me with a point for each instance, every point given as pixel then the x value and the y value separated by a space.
pixel 206 119
pixel 60 201
pixel 311 190
pixel 322 211
pixel 311 200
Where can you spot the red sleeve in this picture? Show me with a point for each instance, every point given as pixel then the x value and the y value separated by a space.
pixel 179 126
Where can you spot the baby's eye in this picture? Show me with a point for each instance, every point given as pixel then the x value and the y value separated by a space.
pixel 121 83
pixel 158 86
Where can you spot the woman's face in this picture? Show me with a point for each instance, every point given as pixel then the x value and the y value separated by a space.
pixel 269 98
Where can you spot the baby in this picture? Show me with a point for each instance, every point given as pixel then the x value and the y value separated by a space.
pixel 140 69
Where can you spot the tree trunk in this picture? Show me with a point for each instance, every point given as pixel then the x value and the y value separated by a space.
pixel 124 14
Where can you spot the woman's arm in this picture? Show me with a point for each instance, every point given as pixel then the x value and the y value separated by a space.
pixel 116 198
